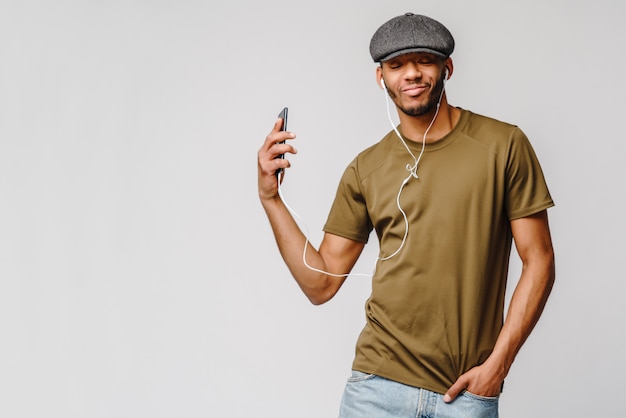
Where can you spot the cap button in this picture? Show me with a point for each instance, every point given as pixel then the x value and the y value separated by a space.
pixel 408 14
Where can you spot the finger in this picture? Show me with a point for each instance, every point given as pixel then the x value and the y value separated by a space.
pixel 268 160
pixel 459 386
pixel 281 148
pixel 279 164
pixel 278 124
pixel 275 138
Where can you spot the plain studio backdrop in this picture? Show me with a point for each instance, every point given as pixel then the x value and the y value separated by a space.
pixel 138 273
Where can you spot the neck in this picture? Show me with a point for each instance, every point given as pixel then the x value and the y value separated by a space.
pixel 413 127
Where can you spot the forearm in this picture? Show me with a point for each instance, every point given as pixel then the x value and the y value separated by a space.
pixel 318 287
pixel 527 304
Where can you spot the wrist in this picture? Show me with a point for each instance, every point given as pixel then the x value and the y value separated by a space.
pixel 269 199
pixel 498 365
pixel 272 204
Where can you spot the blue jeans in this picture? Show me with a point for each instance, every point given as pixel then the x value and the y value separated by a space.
pixel 369 396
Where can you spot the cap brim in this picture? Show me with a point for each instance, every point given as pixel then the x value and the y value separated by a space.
pixel 411 50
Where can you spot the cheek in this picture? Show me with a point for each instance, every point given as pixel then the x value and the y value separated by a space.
pixel 391 93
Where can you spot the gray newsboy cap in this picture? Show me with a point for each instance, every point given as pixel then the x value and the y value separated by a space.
pixel 410 33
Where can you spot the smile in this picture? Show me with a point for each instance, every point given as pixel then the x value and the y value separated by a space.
pixel 413 90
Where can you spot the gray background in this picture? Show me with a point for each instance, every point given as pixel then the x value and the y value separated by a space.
pixel 138 274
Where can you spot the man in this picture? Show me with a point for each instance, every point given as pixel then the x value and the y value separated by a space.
pixel 446 192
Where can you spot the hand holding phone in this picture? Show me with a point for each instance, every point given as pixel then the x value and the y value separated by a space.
pixel 283 116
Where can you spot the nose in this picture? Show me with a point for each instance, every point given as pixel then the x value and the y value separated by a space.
pixel 412 71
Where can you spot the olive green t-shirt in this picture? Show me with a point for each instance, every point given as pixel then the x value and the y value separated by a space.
pixel 436 307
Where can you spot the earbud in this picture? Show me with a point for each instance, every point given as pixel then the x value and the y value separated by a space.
pixel 445 77
pixel 382 83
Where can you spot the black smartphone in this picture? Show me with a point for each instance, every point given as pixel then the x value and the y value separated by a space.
pixel 283 116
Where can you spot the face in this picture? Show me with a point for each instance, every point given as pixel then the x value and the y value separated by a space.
pixel 414 82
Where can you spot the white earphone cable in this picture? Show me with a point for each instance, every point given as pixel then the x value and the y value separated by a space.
pixel 306 237
pixel 412 169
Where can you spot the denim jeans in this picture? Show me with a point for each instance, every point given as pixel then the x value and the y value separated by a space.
pixel 368 396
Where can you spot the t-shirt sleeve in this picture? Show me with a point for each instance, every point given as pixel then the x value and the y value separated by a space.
pixel 349 217
pixel 527 191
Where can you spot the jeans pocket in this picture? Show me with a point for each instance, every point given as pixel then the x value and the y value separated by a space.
pixel 358 376
pixel 480 397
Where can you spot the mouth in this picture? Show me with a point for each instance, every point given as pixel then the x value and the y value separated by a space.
pixel 414 90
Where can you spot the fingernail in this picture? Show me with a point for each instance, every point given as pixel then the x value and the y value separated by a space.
pixel 446 398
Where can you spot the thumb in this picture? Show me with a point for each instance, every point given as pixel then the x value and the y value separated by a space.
pixel 459 386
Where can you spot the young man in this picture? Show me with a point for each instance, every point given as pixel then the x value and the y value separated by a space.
pixel 446 192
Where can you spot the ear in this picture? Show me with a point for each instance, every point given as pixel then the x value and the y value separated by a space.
pixel 379 77
pixel 449 65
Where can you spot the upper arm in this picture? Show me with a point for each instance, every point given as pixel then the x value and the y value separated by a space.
pixel 339 255
pixel 532 238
